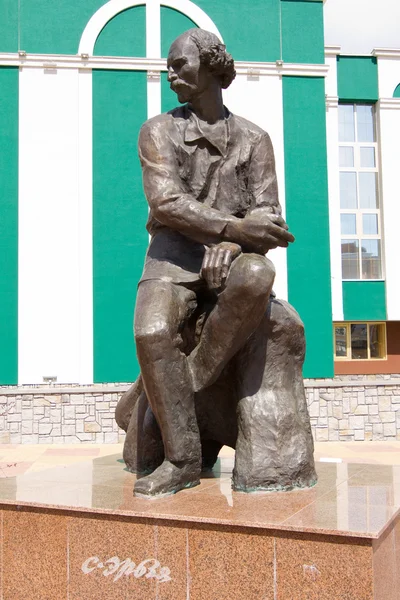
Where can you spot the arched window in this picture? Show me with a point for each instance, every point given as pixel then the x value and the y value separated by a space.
pixel 153 17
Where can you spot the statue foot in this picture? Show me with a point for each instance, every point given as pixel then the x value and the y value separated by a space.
pixel 168 479
pixel 142 470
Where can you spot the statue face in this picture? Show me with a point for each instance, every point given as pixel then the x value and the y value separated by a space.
pixel 187 76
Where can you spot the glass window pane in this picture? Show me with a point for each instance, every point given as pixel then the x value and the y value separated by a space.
pixel 348 190
pixel 370 224
pixel 340 341
pixel 348 224
pixel 367 157
pixel 371 259
pixel 377 341
pixel 368 195
pixel 346 156
pixel 365 123
pixel 350 259
pixel 346 123
pixel 359 343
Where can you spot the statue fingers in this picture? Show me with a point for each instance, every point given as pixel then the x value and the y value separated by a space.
pixel 226 263
pixel 206 263
pixel 278 220
pixel 217 267
pixel 280 242
pixel 279 232
pixel 270 242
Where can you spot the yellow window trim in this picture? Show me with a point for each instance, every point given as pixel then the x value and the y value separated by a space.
pixel 348 357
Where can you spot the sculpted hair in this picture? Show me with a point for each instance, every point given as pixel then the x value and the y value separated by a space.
pixel 213 55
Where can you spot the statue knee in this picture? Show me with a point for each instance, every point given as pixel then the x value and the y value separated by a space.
pixel 152 335
pixel 253 275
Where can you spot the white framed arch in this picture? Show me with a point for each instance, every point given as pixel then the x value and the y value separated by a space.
pixel 153 30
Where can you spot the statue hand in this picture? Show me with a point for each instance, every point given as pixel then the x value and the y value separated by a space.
pixel 217 261
pixel 261 231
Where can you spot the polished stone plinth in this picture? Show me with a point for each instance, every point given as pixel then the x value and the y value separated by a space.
pixel 78 533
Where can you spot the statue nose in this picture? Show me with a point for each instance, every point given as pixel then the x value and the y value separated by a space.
pixel 172 75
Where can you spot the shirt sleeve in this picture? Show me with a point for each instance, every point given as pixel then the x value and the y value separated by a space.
pixel 170 202
pixel 262 177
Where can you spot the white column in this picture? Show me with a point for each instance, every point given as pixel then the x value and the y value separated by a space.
pixel 258 98
pixel 85 221
pixel 153 50
pixel 54 314
pixel 389 138
pixel 332 135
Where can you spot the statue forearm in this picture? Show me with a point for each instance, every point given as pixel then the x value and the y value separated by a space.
pixel 193 219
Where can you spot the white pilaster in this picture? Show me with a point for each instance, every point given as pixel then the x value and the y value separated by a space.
pixel 54 318
pixel 259 99
pixel 332 135
pixel 85 220
pixel 389 136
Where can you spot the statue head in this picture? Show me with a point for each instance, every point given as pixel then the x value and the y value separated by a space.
pixel 196 60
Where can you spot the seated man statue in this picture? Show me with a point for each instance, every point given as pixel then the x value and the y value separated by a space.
pixel 220 358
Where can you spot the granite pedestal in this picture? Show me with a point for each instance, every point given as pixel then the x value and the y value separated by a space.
pixel 78 533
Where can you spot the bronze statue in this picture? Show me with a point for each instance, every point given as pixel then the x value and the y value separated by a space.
pixel 217 352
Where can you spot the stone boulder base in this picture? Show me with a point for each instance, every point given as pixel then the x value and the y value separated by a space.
pixel 257 406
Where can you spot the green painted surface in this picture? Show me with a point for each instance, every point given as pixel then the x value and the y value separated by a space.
pixel 49 27
pixel 397 92
pixel 9 226
pixel 357 78
pixel 364 300
pixel 307 214
pixel 173 23
pixel 124 35
pixel 302 32
pixel 119 219
pixel 250 30
pixel 8 26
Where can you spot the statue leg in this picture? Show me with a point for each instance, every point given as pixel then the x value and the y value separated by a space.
pixel 162 309
pixel 236 315
pixel 127 403
pixel 143 447
pixel 274 449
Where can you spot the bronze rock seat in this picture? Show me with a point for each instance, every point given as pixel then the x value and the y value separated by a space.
pixel 260 412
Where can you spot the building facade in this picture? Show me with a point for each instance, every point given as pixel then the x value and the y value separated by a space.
pixel 79 78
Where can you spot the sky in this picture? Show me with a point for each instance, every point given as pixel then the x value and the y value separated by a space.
pixel 359 26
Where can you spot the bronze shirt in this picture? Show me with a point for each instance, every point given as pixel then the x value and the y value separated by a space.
pixel 196 177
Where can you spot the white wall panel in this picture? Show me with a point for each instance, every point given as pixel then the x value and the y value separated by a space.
pixel 259 99
pixel 388 74
pixel 389 126
pixel 52 236
pixel 85 221
pixel 332 134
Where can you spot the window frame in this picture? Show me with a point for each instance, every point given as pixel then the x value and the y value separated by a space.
pixel 347 325
pixel 359 236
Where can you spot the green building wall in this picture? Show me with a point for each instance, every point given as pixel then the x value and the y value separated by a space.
pixel 265 31
pixel 8 226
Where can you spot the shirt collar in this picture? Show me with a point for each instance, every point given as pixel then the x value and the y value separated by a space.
pixel 217 134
